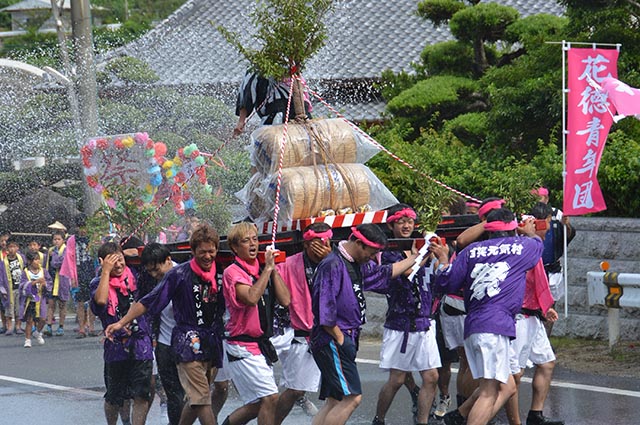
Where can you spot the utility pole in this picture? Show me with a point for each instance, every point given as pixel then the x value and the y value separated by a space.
pixel 85 81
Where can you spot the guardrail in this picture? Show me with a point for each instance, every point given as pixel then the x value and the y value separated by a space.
pixel 614 291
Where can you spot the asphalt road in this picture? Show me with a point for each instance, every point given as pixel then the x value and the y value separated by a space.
pixel 61 383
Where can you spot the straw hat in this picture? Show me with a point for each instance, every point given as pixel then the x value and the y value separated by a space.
pixel 57 226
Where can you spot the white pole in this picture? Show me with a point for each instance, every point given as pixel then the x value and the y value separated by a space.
pixel 565 48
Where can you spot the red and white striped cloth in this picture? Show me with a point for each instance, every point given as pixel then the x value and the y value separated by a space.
pixel 346 220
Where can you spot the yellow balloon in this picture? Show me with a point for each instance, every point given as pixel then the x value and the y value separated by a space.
pixel 167 164
pixel 128 142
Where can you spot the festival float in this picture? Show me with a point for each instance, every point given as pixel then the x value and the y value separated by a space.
pixel 304 170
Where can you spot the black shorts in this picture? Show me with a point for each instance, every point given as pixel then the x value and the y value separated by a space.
pixel 126 380
pixel 83 294
pixel 337 364
pixel 446 355
pixel 30 312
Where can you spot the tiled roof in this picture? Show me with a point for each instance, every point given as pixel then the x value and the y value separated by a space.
pixel 365 37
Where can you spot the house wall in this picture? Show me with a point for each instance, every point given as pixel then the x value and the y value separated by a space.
pixel 616 240
pixel 19 19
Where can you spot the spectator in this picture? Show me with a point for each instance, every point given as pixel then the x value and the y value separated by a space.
pixel 35 283
pixel 13 264
pixel 79 267
pixel 60 291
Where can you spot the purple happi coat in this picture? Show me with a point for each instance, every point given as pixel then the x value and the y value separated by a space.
pixel 32 294
pixel 124 346
pixel 409 302
pixel 492 273
pixel 199 320
pixel 333 297
pixel 53 263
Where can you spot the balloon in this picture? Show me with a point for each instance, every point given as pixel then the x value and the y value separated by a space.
pixel 161 148
pixel 141 138
pixel 156 180
pixel 128 142
pixel 189 149
pixel 102 144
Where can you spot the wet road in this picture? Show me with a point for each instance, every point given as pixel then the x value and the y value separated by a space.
pixel 61 383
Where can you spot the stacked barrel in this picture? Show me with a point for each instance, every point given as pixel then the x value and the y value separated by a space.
pixel 323 172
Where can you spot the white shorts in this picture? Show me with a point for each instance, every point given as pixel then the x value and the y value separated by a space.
pixel 421 352
pixel 452 329
pixel 252 377
pixel 299 370
pixel 556 285
pixel 222 375
pixel 282 342
pixel 531 343
pixel 488 356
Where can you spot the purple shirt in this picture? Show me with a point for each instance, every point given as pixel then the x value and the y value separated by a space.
pixel 409 302
pixel 177 287
pixel 53 262
pixel 123 347
pixel 333 298
pixel 492 273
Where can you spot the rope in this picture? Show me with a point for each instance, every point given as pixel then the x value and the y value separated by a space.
pixel 385 150
pixel 276 207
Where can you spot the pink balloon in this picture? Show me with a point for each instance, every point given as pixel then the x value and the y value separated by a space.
pixel 161 149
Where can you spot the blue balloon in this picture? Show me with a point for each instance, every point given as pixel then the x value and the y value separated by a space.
pixel 189 203
pixel 153 169
pixel 156 180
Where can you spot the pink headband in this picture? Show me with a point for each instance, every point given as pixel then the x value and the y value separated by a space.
pixel 491 205
pixel 310 234
pixel 472 204
pixel 541 191
pixel 355 232
pixel 500 226
pixel 406 212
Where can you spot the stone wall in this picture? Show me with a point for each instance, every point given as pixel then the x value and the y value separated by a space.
pixel 616 240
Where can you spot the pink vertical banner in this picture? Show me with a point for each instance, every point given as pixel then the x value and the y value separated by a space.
pixel 588 123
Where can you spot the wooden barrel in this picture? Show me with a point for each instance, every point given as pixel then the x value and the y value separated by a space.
pixel 306 191
pixel 318 142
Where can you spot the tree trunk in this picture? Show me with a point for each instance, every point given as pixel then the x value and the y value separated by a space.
pixel 299 111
